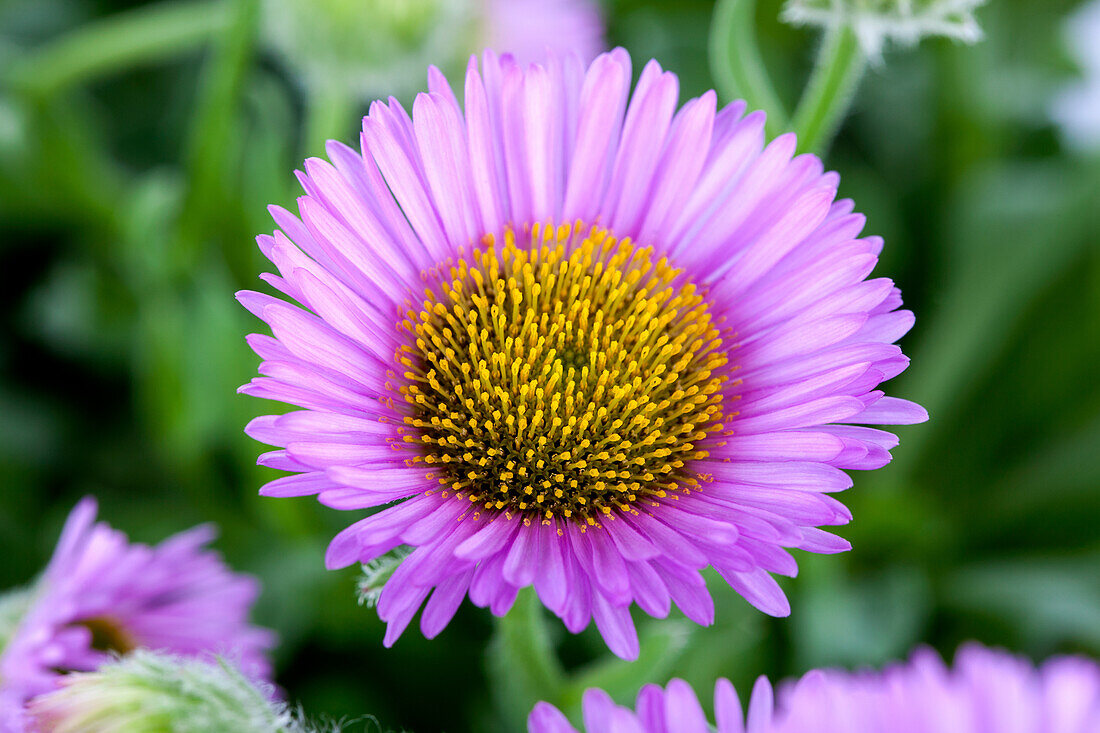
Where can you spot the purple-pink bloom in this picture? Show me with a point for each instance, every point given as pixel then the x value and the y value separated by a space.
pixel 987 691
pixel 102 595
pixel 570 337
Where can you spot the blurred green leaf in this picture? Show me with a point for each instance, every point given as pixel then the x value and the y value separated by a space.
pixel 1015 228
pixel 75 314
pixel 193 341
pixel 1051 602
pixel 57 166
pixel 850 620
pixel 116 42
pixel 268 157
pixel 211 206
pixel 1062 473
pixel 329 116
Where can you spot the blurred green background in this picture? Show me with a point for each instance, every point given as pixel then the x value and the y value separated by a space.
pixel 133 179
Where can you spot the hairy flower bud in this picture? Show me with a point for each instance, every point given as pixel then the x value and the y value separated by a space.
pixel 376 574
pixel 147 692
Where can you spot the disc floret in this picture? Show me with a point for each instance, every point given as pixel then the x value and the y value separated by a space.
pixel 567 375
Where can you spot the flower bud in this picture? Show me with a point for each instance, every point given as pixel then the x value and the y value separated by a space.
pixel 375 575
pixel 148 692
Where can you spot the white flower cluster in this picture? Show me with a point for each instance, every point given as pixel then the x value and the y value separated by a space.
pixel 877 21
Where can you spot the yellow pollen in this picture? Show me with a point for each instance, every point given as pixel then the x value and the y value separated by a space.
pixel 568 376
pixel 108 635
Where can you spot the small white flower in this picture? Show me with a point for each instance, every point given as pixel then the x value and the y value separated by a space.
pixel 877 21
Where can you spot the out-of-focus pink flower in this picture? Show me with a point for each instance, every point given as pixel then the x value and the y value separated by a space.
pixel 101 594
pixel 987 691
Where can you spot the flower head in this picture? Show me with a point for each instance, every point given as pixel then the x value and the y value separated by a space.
pixel 988 691
pixel 147 692
pixel 371 46
pixel 575 343
pixel 877 21
pixel 102 595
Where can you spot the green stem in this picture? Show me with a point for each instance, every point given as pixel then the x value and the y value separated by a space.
pixel 735 61
pixel 122 40
pixel 80 175
pixel 830 90
pixel 522 663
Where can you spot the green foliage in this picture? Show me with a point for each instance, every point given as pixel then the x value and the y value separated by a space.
pixel 136 156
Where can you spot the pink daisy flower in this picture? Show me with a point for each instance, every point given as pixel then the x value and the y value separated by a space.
pixel 570 337
pixel 102 595
pixel 988 691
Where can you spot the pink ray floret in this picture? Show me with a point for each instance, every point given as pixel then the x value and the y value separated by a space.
pixel 987 691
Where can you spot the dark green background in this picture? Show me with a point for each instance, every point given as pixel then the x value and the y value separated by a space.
pixel 128 205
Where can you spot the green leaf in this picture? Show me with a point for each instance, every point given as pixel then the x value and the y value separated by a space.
pixel 330 115
pixel 1049 602
pixel 734 647
pixel 114 43
pixel 856 620
pixel 1016 227
pixel 268 156
pixel 211 208
pixel 1063 473
pixel 57 166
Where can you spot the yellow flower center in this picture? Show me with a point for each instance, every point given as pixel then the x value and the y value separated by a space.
pixel 108 635
pixel 568 377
